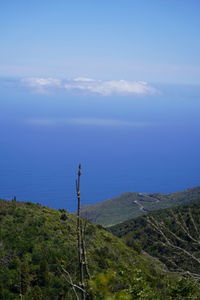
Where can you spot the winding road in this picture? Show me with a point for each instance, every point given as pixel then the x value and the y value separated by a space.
pixel 141 206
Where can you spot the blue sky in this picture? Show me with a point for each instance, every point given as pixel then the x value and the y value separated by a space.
pixel 153 41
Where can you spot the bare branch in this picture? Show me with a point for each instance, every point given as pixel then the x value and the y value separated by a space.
pixel 184 227
pixel 74 286
pixel 156 225
pixel 84 248
pixel 193 222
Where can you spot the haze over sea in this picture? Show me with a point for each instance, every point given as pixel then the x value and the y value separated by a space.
pixel 145 143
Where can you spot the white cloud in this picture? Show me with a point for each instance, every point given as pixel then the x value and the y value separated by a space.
pixel 84 79
pixel 42 85
pixel 107 88
pixel 89 85
pixel 99 122
pixel 41 82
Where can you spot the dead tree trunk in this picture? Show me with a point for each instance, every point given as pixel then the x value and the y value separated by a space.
pixel 80 288
pixel 80 237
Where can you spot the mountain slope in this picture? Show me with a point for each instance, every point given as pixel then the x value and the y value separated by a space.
pixel 38 243
pixel 172 235
pixel 129 205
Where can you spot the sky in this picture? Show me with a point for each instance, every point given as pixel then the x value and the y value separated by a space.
pixel 135 40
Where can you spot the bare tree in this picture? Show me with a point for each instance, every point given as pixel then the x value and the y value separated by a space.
pixel 80 235
pixel 186 244
pixel 81 225
pixel 80 288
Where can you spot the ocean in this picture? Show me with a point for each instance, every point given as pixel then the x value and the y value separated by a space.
pixel 142 144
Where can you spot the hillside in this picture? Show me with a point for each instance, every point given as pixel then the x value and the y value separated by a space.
pixel 130 205
pixel 38 244
pixel 172 235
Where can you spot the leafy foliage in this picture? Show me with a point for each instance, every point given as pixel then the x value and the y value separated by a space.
pixel 37 243
pixel 172 235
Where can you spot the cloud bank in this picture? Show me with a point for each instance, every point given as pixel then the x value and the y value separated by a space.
pixel 99 122
pixel 90 86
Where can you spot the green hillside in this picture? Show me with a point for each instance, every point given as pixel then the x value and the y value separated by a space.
pixel 172 235
pixel 38 259
pixel 130 205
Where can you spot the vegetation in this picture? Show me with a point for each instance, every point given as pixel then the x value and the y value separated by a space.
pixel 38 260
pixel 131 205
pixel 172 235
